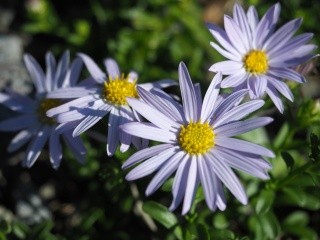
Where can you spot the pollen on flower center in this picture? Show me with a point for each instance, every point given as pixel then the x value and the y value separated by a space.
pixel 116 90
pixel 196 138
pixel 43 107
pixel 256 62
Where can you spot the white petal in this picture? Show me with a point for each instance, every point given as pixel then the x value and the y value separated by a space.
pixel 239 127
pixel 165 172
pixel 244 146
pixel 147 131
pixel 36 72
pixel 191 186
pixel 55 150
pixel 150 165
pixel 188 94
pixel 112 68
pixel 20 139
pixel 238 112
pixel 73 92
pixel 144 154
pixel 93 68
pixel 35 147
pixel 282 87
pixel 210 98
pixel 18 123
pixel 228 177
pixel 225 53
pixel 234 80
pixel 153 115
pixel 227 67
pixel 276 99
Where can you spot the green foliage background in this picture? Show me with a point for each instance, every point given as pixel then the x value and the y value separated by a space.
pixel 152 37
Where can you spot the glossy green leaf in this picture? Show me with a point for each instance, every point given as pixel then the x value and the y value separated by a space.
pixel 264 201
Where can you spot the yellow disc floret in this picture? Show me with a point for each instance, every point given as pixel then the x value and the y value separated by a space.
pixel 196 138
pixel 256 62
pixel 43 107
pixel 118 89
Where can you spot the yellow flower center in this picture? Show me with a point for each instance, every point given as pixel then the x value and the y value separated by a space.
pixel 256 62
pixel 44 106
pixel 116 90
pixel 196 138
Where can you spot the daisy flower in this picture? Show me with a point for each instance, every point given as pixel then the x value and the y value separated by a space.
pixel 196 142
pixel 32 121
pixel 106 96
pixel 260 57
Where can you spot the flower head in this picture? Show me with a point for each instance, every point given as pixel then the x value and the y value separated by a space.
pixel 33 123
pixel 106 95
pixel 260 58
pixel 196 142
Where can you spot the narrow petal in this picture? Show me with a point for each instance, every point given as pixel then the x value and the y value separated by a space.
pixel 93 68
pixel 189 99
pixel 55 150
pixel 227 67
pixel 113 131
pixel 73 73
pixel 35 147
pixel 18 123
pixel 282 87
pixel 165 172
pixel 288 74
pixel 23 100
pixel 16 105
pixel 61 70
pixel 235 80
pixel 180 182
pixel 244 146
pixel 211 97
pixel 51 69
pixel 221 199
pixel 237 38
pixel 208 183
pixel 198 95
pixel 228 177
pixel 290 46
pixel 36 72
pixel 191 186
pixel 164 83
pixel 238 112
pixel 73 92
pixel 228 103
pixel 240 18
pixel 76 146
pixel 112 68
pixel 81 102
pixel 125 117
pixel 144 154
pixel 276 99
pixel 20 139
pixel 91 120
pixel 259 85
pixel 266 25
pixel 239 127
pixel 253 18
pixel 222 38
pixel 153 115
pixel 282 35
pixel 150 165
pixel 225 53
pixel 252 158
pixel 164 105
pixel 147 131
pixel 243 164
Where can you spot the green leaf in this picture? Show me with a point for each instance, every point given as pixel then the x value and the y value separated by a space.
pixel 2 236
pixel 160 213
pixel 202 232
pixel 220 221
pixel 270 225
pixel 288 159
pixel 281 136
pixel 298 218
pixel 20 229
pixel 264 201
pixel 5 227
pixel 302 198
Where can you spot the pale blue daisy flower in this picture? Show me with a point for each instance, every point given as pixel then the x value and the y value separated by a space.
pixel 106 96
pixel 260 58
pixel 196 142
pixel 32 122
